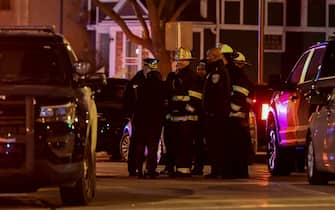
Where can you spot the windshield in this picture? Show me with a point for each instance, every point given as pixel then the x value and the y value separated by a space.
pixel 34 64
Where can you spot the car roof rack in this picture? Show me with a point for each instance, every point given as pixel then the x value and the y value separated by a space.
pixel 48 29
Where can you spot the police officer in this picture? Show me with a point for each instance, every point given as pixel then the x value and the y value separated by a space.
pixel 144 101
pixel 199 144
pixel 216 105
pixel 242 88
pixel 184 94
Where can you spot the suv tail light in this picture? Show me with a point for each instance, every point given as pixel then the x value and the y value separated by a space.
pixel 265 111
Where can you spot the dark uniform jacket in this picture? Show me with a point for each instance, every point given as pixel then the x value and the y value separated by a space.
pixel 242 88
pixel 217 90
pixel 143 99
pixel 184 94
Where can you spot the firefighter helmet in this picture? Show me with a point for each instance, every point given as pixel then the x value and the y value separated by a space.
pixel 151 62
pixel 183 54
pixel 240 59
pixel 224 48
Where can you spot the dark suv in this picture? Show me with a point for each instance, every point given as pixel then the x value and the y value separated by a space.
pixel 290 108
pixel 48 116
pixel 111 118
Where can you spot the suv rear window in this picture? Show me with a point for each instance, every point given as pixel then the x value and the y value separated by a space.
pixel 22 63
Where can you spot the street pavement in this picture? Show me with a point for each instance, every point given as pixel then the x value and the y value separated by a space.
pixel 117 191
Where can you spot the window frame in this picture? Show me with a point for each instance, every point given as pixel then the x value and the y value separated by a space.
pixel 223 6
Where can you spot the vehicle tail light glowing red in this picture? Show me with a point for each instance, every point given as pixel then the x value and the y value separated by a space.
pixel 265 111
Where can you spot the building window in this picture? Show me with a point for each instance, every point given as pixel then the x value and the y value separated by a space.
pixel 293 12
pixel 275 13
pixel 331 17
pixel 250 12
pixel 5 5
pixel 232 12
pixel 131 61
pixel 273 42
pixel 316 12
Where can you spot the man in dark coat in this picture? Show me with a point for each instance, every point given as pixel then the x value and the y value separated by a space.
pixel 144 102
pixel 216 105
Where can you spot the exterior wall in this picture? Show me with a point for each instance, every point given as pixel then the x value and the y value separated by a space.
pixel 16 15
pixel 42 12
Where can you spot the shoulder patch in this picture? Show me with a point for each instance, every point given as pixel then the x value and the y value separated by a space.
pixel 215 78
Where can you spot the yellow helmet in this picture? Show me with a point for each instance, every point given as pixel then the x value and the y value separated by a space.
pixel 151 62
pixel 240 58
pixel 183 54
pixel 224 48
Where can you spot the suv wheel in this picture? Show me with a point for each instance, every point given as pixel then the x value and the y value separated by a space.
pixel 314 176
pixel 124 146
pixel 275 155
pixel 84 189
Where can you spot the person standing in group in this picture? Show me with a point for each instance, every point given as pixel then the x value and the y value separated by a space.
pixel 183 91
pixel 239 116
pixel 216 105
pixel 199 144
pixel 144 102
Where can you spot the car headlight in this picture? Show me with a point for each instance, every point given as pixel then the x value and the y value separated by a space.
pixel 56 113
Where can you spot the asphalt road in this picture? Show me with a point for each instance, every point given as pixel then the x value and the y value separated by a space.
pixel 117 191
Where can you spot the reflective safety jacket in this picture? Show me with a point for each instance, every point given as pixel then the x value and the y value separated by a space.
pixel 242 89
pixel 217 90
pixel 184 95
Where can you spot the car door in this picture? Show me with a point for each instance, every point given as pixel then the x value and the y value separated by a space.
pixel 304 108
pixel 287 102
pixel 318 132
pixel 328 154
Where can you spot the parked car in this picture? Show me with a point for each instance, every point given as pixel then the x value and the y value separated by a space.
pixel 47 114
pixel 290 108
pixel 321 137
pixel 111 118
pixel 260 107
pixel 125 141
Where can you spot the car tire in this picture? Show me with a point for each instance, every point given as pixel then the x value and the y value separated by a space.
pixel 124 146
pixel 315 177
pixel 83 190
pixel 253 138
pixel 277 158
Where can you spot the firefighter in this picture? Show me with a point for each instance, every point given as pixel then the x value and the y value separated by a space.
pixel 144 102
pixel 182 117
pixel 242 88
pixel 216 103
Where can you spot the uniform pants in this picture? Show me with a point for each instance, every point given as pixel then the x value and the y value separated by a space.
pixel 180 136
pixel 147 135
pixel 170 141
pixel 237 166
pixel 216 134
pixel 199 149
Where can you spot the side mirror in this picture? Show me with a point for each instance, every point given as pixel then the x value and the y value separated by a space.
pixel 82 67
pixel 95 81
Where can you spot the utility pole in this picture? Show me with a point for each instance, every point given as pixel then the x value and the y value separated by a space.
pixel 60 16
pixel 260 40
